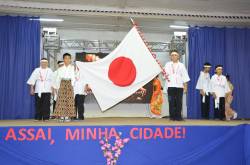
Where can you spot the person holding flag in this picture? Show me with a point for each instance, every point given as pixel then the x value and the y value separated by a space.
pixel 80 91
pixel 176 84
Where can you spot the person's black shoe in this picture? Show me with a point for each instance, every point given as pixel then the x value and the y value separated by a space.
pixel 82 118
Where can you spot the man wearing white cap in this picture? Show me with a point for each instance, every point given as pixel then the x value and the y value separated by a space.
pixel 40 83
pixel 176 85
pixel 219 89
pixel 203 85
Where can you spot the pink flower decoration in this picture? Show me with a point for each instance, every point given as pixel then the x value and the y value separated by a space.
pixel 125 140
pixel 114 148
pixel 118 152
pixel 112 153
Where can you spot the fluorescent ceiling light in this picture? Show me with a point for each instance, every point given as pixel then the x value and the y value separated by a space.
pixel 48 20
pixel 178 27
pixel 180 33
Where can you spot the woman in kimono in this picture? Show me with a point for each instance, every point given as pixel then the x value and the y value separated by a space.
pixel 229 112
pixel 157 99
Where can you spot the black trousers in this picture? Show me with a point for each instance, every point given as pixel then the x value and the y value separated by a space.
pixel 205 107
pixel 42 106
pixel 54 105
pixel 175 103
pixel 219 113
pixel 79 106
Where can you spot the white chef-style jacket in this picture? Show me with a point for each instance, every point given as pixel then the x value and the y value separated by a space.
pixel 80 83
pixel 204 84
pixel 54 80
pixel 42 80
pixel 64 73
pixel 177 75
pixel 220 87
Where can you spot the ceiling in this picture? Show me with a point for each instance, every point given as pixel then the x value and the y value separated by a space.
pixel 152 15
pixel 227 6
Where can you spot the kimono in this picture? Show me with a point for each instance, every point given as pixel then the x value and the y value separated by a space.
pixel 157 98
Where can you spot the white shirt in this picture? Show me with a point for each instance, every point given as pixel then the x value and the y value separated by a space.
pixel 177 75
pixel 54 80
pixel 64 72
pixel 219 85
pixel 204 82
pixel 80 84
pixel 42 79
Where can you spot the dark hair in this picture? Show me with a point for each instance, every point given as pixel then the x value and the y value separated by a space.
pixel 217 66
pixel 174 50
pixel 66 54
pixel 44 59
pixel 228 77
pixel 58 62
pixel 207 63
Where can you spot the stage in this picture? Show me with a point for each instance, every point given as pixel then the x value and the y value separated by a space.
pixel 148 142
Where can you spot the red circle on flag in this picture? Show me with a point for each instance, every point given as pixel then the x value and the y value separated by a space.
pixel 122 71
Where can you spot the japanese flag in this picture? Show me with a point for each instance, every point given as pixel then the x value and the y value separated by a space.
pixel 121 73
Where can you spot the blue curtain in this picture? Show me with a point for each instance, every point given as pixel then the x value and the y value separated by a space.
pixel 229 47
pixel 19 55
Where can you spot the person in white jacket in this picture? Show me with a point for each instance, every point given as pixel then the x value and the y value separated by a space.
pixel 219 90
pixel 80 91
pixel 176 85
pixel 40 83
pixel 203 85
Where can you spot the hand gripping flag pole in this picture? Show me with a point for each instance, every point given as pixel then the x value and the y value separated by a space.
pixel 150 50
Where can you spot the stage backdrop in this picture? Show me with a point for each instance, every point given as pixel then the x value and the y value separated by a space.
pixel 137 145
pixel 229 47
pixel 19 55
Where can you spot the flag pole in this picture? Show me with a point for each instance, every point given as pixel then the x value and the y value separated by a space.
pixel 150 50
pixel 132 21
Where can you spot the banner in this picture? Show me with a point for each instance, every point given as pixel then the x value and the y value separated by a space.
pixel 127 145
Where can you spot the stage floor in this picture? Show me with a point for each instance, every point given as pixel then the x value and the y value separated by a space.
pixel 121 121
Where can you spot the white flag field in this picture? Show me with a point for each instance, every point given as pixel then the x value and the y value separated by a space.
pixel 122 72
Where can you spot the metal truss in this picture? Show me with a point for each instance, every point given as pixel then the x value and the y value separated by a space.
pixel 54 43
